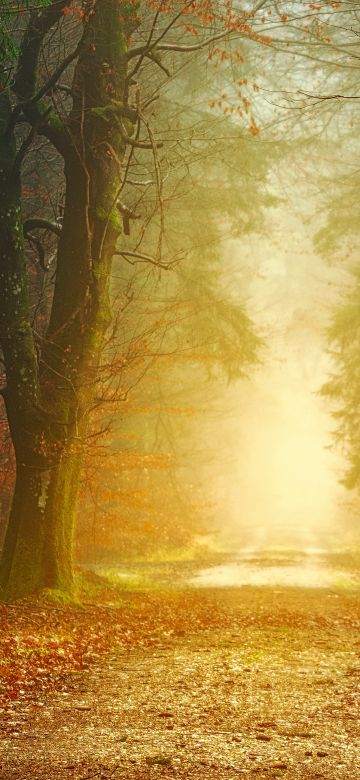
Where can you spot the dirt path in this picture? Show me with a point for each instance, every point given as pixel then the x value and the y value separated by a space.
pixel 273 690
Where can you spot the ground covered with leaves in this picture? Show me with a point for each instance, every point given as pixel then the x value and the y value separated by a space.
pixel 183 682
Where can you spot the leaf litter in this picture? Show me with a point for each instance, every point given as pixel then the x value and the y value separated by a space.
pixel 237 682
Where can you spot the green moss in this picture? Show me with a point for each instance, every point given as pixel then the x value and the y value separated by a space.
pixel 58 598
pixel 131 582
pixel 55 122
pixel 95 588
pixel 110 217
pixel 115 581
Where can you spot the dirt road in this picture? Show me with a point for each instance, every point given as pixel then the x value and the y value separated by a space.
pixel 268 686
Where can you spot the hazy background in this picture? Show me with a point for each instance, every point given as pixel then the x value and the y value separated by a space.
pixel 276 480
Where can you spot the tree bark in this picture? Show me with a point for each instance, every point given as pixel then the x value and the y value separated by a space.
pixel 38 547
pixel 48 400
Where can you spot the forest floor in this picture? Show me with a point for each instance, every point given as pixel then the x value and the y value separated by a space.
pixel 176 681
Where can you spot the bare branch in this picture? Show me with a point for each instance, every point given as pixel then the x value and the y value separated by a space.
pixel 142 258
pixel 150 47
pixel 156 61
pixel 329 97
pixel 52 81
pixel 146 49
pixel 25 83
pixel 142 50
pixel 137 144
pixel 38 27
pixel 196 46
pixel 41 224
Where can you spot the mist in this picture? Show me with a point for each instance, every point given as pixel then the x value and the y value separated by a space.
pixel 277 477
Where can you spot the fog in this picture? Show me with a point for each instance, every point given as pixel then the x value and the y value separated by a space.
pixel 277 478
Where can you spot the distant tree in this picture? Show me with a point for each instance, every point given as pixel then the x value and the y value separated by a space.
pixel 338 241
pixel 320 105
pixel 343 387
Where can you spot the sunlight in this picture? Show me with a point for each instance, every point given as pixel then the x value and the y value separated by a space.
pixel 278 480
pixel 281 576
pixel 275 568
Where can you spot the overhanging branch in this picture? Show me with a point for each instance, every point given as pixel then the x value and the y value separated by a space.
pixel 140 257
pixel 40 224
pixel 25 82
pixel 321 98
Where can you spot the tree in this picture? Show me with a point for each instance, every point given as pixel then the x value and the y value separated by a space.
pixel 75 85
pixel 145 485
pixel 338 241
pixel 47 402
pixel 329 103
pixel 343 387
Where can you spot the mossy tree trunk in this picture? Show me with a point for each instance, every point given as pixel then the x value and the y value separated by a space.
pixel 48 395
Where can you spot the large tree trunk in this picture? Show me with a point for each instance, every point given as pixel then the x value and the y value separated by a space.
pixel 38 546
pixel 48 406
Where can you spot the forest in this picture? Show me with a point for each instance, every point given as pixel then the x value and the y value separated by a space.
pixel 179 389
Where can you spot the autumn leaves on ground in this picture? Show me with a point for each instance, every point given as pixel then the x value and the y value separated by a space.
pixel 160 679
